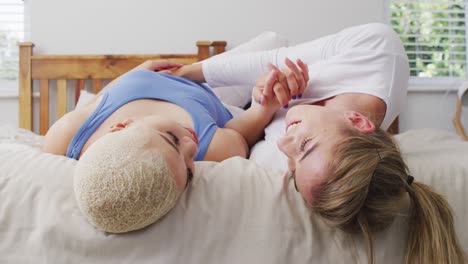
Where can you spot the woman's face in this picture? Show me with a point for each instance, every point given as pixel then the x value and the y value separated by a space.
pixel 176 142
pixel 311 135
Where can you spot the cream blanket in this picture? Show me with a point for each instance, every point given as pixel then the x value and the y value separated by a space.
pixel 234 212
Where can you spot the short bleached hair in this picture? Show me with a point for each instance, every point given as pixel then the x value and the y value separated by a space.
pixel 121 186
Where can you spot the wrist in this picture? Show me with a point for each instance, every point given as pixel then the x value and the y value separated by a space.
pixel 192 72
pixel 265 111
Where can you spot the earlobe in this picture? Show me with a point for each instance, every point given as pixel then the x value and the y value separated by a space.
pixel 291 165
pixel 360 122
pixel 120 125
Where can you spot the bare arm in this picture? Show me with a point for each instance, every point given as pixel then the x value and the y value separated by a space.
pixel 272 90
pixel 226 143
pixel 192 72
pixel 59 135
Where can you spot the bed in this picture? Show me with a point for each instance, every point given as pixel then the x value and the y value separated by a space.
pixel 233 212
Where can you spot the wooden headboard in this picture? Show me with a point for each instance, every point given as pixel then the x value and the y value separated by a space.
pixel 78 68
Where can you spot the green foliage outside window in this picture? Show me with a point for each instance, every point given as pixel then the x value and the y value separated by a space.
pixel 8 56
pixel 434 36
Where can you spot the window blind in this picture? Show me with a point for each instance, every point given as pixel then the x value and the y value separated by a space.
pixel 434 35
pixel 11 31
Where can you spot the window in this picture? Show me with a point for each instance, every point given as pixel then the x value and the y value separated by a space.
pixel 11 31
pixel 434 35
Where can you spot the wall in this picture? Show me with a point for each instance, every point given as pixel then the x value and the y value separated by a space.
pixel 152 26
pixel 8 110
pixel 146 26
pixel 433 109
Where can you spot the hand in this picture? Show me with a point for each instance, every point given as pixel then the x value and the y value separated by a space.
pixel 266 81
pixel 192 72
pixel 281 86
pixel 162 66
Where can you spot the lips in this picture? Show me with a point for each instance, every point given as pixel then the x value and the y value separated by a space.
pixel 292 123
pixel 195 137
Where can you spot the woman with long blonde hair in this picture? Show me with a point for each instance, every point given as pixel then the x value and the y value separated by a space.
pixel 368 189
pixel 331 135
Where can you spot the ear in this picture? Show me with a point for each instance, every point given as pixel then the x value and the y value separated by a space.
pixel 360 122
pixel 120 125
pixel 291 165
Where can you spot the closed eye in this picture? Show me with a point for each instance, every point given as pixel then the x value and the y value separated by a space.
pixel 304 143
pixel 174 137
pixel 189 177
pixel 163 136
pixel 307 153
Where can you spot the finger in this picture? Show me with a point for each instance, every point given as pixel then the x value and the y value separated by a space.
pixel 300 82
pixel 305 73
pixel 164 65
pixel 293 83
pixel 158 65
pixel 273 82
pixel 166 72
pixel 304 68
pixel 281 78
pixel 281 94
pixel 284 82
pixel 258 96
pixel 271 79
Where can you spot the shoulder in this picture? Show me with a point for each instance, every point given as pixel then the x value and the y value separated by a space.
pixel 372 36
pixel 60 134
pixel 226 143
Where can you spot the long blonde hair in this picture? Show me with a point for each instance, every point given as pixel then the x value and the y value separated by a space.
pixel 366 192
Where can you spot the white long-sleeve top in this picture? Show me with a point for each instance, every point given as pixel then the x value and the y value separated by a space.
pixel 366 59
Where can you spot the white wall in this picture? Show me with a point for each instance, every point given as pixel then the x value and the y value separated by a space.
pixel 152 26
pixel 8 110
pixel 433 109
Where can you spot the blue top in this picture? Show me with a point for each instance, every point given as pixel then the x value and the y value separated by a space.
pixel 207 111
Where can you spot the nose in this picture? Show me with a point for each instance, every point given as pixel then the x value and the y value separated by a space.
pixel 189 148
pixel 287 145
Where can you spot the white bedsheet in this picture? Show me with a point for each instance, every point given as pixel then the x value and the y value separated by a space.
pixel 234 212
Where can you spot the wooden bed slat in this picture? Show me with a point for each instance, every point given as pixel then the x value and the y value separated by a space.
pixel 61 98
pixel 97 85
pixel 25 86
pixel 79 85
pixel 44 106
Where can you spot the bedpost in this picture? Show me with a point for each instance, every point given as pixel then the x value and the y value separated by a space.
pixel 394 127
pixel 203 49
pixel 25 85
pixel 219 47
pixel 457 121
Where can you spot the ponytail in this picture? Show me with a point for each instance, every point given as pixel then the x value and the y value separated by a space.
pixel 432 237
pixel 366 191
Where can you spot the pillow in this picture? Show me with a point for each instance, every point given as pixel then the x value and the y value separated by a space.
pixel 240 95
pixel 232 212
pixel 84 98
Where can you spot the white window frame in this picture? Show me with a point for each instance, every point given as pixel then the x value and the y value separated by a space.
pixel 430 84
pixel 9 88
